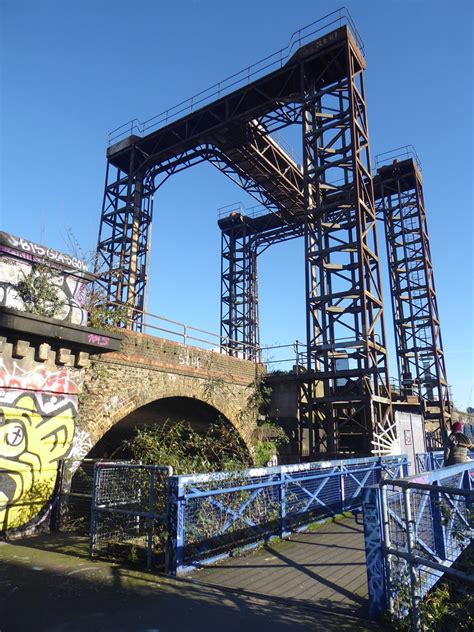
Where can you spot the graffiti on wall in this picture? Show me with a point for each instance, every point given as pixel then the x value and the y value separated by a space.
pixel 36 431
pixel 39 378
pixel 38 409
pixel 17 260
pixel 32 250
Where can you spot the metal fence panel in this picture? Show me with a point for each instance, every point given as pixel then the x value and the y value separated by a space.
pixel 129 505
pixel 415 529
pixel 75 495
pixel 211 514
pixel 429 461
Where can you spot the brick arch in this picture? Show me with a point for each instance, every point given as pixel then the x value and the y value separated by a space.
pixel 104 409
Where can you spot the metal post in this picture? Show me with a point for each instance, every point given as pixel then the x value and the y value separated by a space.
pixel 437 523
pixel 150 521
pixel 282 494
pixel 175 520
pixel 95 484
pixel 386 544
pixel 342 494
pixel 373 536
pixel 410 536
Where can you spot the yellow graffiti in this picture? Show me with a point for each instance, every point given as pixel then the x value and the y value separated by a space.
pixel 31 444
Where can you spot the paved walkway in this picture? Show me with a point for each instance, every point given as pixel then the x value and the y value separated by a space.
pixel 323 569
pixel 48 584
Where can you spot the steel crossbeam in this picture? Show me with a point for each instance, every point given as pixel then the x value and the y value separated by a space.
pixel 314 495
pixel 236 515
pixel 360 484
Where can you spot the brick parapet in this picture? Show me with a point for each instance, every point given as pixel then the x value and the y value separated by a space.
pixel 166 355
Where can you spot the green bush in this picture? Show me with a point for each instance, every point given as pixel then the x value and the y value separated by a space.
pixel 177 444
pixel 39 293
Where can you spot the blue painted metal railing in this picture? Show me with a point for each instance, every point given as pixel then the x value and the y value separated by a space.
pixel 209 515
pixel 429 461
pixel 415 529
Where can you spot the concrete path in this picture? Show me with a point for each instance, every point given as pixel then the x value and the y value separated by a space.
pixel 323 568
pixel 48 584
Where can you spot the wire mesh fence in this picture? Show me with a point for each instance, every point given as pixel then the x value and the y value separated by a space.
pixel 73 507
pixel 416 530
pixel 212 514
pixel 128 516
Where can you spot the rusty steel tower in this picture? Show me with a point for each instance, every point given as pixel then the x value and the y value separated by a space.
pixel 316 84
pixel 418 342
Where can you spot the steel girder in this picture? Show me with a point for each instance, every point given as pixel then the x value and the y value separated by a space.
pixel 419 346
pixel 124 235
pixel 233 120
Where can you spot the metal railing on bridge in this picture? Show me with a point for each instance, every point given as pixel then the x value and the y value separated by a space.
pixel 429 461
pixel 415 530
pixel 154 324
pixel 210 515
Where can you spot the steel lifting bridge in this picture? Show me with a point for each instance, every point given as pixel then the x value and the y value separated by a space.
pixel 329 197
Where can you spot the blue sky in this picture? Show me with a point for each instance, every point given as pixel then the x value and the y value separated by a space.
pixel 73 71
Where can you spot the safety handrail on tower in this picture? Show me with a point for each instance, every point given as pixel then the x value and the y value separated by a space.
pixel 400 153
pixel 264 66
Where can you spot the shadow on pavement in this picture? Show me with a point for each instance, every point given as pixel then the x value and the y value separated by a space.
pixel 44 590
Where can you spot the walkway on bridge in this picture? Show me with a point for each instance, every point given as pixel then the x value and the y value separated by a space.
pixel 313 583
pixel 322 568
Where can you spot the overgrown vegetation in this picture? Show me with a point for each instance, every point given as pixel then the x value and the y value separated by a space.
pixel 188 451
pixel 270 436
pixel 39 292
pixel 101 314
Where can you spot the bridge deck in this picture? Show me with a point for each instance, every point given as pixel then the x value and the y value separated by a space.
pixel 324 569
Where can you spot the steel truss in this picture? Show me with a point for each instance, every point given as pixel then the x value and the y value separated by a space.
pixel 320 88
pixel 239 301
pixel 419 346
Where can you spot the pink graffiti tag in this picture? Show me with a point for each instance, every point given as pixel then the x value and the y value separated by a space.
pixel 101 341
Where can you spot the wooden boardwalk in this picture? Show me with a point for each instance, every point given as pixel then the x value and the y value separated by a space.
pixel 323 569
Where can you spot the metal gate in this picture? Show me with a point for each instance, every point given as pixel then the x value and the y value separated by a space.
pixel 73 509
pixel 129 505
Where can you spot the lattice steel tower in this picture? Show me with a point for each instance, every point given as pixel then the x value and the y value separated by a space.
pixel 419 346
pixel 315 83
